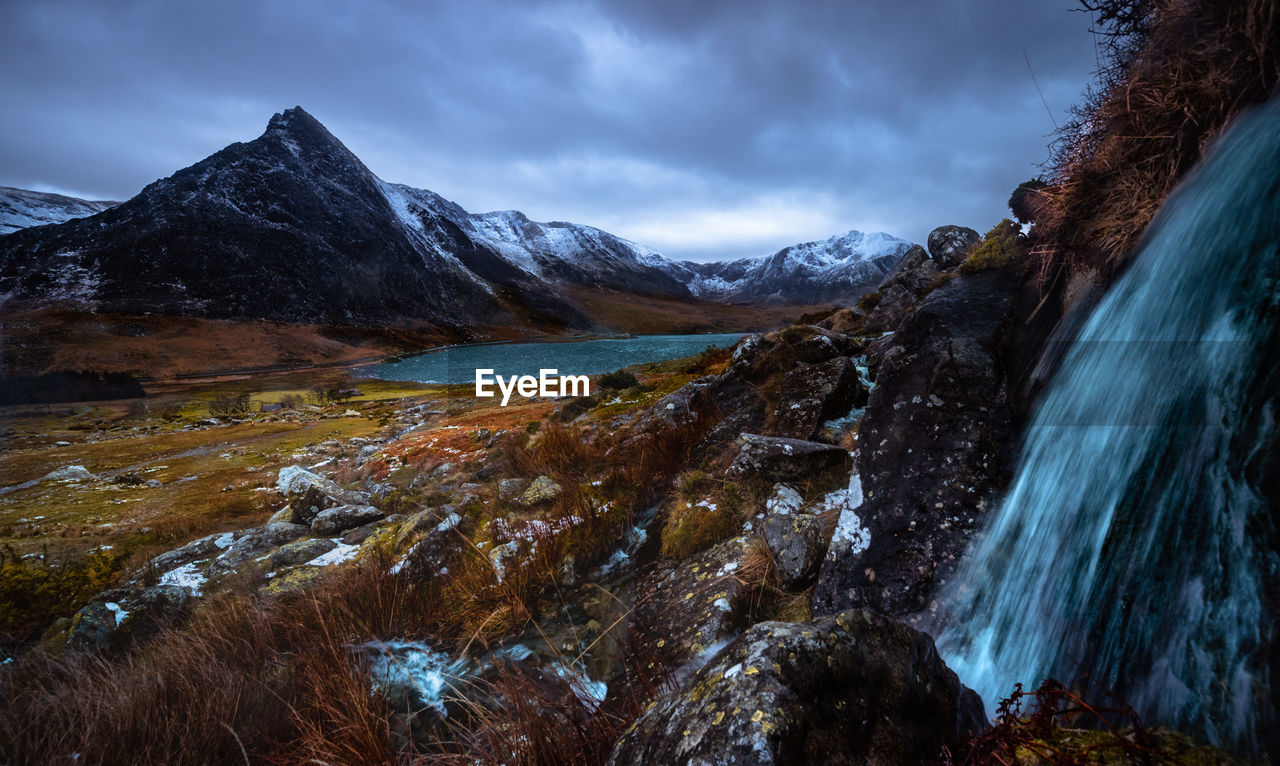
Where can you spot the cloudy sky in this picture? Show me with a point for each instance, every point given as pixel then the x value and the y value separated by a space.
pixel 704 129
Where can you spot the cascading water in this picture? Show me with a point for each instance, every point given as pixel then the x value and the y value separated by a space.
pixel 1136 545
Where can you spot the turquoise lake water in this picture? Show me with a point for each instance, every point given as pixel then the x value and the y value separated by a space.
pixel 587 357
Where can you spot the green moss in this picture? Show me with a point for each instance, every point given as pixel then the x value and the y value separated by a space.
pixel 692 528
pixel 34 595
pixel 998 249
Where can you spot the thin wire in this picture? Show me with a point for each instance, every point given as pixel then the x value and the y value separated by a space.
pixel 1027 58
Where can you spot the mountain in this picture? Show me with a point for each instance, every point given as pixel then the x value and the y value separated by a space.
pixel 20 208
pixel 288 227
pixel 293 227
pixel 841 268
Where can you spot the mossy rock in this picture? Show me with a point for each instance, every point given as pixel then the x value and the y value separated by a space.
pixel 293 580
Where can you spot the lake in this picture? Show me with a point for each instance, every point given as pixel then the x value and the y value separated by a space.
pixel 458 364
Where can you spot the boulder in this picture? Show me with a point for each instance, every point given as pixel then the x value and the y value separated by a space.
pixel 293 580
pixel 510 489
pixel 793 537
pixel 253 543
pixel 936 440
pixel 855 688
pixel 295 481
pixel 949 245
pixel 193 551
pixel 678 408
pixel 818 347
pixel 73 473
pixel 813 394
pixel 91 628
pixel 306 507
pixel 358 535
pixel 781 459
pixel 343 517
pixel 300 552
pixel 916 272
pixel 433 537
pixel 541 490
pixel 116 618
pixel 687 608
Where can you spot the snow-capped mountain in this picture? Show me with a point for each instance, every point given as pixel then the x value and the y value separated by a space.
pixel 840 268
pixel 293 227
pixel 21 208
pixel 290 227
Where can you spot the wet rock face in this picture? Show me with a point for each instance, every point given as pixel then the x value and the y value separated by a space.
pixel 933 449
pixel 949 245
pixel 812 394
pixel 781 459
pixel 853 688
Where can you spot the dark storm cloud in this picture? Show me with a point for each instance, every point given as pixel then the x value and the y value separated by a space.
pixel 704 129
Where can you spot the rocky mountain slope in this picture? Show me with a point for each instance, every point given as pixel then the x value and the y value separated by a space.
pixel 22 208
pixel 293 227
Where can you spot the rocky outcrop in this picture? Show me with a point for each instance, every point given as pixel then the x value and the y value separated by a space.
pixel 116 618
pixel 343 517
pixel 856 688
pixel 950 245
pixel 933 439
pixel 915 272
pixel 252 543
pixel 686 607
pixel 813 394
pixel 780 459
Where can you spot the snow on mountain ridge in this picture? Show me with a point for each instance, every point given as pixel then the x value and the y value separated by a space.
pixel 21 208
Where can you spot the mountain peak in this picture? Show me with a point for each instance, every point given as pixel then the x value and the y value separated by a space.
pixel 298 128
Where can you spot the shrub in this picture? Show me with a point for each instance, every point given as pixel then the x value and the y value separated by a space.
pixel 574 408
pixel 618 380
pixel 869 301
pixel 1026 203
pixel 998 249
pixel 230 404
pixel 1060 726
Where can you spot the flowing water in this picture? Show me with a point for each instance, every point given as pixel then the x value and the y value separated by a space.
pixel 1135 546
pixel 587 357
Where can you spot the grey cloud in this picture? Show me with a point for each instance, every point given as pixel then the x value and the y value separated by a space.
pixel 892 116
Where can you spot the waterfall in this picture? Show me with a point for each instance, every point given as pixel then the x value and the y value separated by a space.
pixel 1136 546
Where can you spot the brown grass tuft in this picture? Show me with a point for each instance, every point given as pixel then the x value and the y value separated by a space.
pixel 1177 72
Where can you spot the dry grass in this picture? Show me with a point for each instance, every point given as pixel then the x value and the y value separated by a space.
pixel 1172 82
pixel 263 681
